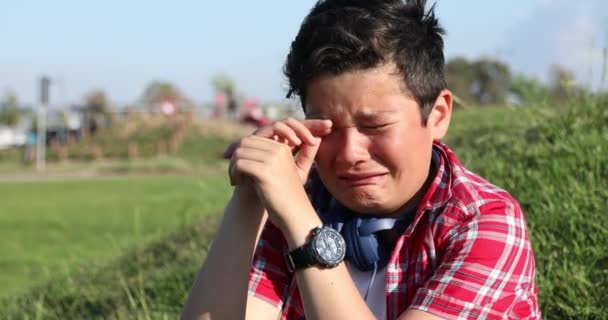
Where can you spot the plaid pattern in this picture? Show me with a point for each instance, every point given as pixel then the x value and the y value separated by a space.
pixel 466 255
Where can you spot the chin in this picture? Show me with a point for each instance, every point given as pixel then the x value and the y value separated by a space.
pixel 369 201
pixel 364 203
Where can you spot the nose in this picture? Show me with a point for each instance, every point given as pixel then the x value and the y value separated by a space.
pixel 352 147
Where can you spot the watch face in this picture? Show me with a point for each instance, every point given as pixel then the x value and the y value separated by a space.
pixel 329 246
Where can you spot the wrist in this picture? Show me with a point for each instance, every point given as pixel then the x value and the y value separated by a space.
pixel 246 205
pixel 246 195
pixel 325 248
pixel 297 230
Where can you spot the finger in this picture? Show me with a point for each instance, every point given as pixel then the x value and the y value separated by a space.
pixel 286 142
pixel 237 176
pixel 241 152
pixel 254 154
pixel 318 127
pixel 227 153
pixel 244 168
pixel 285 131
pixel 258 143
pixel 270 146
pixel 307 155
pixel 301 130
pixel 266 132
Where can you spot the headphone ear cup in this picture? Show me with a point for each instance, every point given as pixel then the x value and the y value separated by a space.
pixel 362 251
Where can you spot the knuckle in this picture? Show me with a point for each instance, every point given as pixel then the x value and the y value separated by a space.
pixel 260 131
pixel 240 164
pixel 238 153
pixel 293 123
pixel 280 125
pixel 276 151
pixel 285 150
pixel 248 140
pixel 274 147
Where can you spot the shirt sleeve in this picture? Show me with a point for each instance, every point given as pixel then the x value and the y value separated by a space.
pixel 268 276
pixel 486 270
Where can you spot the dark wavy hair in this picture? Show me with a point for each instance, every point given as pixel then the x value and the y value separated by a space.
pixel 339 36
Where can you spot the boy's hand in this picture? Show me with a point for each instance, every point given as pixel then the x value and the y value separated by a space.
pixel 265 161
pixel 302 136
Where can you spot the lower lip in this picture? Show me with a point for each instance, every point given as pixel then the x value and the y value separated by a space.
pixel 371 180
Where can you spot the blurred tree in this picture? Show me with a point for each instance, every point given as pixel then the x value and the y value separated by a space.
pixel 491 81
pixel 159 91
pixel 528 90
pixel 9 109
pixel 96 102
pixel 96 110
pixel 561 83
pixel 223 83
pixel 482 81
pixel 459 78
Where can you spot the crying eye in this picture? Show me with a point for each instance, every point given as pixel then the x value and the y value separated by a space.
pixel 380 126
pixel 373 128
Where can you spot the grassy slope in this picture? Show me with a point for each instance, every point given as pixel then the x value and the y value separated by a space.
pixel 48 227
pixel 145 283
pixel 555 165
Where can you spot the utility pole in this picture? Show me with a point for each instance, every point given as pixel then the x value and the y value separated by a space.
pixel 41 115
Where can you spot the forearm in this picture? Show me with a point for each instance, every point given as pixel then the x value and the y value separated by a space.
pixel 220 289
pixel 326 293
pixel 331 294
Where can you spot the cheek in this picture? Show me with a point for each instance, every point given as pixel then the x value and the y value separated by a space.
pixel 389 147
pixel 400 150
pixel 325 152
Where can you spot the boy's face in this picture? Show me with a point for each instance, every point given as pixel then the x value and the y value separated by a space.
pixel 378 155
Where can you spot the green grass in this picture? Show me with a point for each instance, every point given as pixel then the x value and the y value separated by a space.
pixel 553 161
pixel 147 282
pixel 49 227
pixel 556 166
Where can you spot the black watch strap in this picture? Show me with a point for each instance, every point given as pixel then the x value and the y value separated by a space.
pixel 300 258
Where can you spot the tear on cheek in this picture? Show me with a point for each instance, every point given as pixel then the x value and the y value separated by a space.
pixel 324 153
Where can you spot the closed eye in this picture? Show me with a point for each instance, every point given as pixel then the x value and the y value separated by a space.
pixel 375 127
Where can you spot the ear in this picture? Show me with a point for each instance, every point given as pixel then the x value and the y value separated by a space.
pixel 439 118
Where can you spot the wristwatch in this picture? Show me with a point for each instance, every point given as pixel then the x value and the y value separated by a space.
pixel 326 248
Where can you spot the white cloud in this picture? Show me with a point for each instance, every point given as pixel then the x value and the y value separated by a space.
pixel 567 33
pixel 579 47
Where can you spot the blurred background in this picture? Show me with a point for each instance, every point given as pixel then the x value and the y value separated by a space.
pixel 114 116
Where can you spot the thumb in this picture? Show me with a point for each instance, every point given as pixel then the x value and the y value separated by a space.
pixel 307 155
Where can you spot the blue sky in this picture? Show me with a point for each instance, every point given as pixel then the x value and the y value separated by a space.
pixel 119 46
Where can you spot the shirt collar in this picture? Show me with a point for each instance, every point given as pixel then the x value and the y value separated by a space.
pixel 439 191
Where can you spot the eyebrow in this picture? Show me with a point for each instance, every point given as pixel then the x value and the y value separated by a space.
pixel 370 116
pixel 360 116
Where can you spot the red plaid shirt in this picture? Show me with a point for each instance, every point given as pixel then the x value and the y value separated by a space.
pixel 466 255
